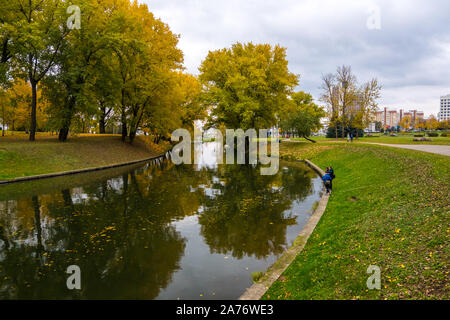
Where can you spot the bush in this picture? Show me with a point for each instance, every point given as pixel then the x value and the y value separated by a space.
pixel 433 134
pixel 331 132
pixel 256 276
pixel 418 135
pixel 444 134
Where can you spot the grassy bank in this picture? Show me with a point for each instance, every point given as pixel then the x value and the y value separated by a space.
pixel 19 157
pixel 389 208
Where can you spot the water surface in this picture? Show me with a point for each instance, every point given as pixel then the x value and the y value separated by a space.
pixel 152 231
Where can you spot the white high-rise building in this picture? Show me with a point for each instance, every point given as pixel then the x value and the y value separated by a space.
pixel 444 113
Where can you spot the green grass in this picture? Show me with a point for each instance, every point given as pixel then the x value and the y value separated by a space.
pixel 390 208
pixel 405 140
pixel 400 139
pixel 20 157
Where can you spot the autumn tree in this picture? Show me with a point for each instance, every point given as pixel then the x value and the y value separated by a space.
pixel 347 93
pixel 37 30
pixel 246 84
pixel 82 72
pixel 366 105
pixel 406 122
pixel 431 123
pixel 302 116
pixel 331 99
pixel 179 108
pixel 349 105
pixel 144 59
pixel 420 124
pixel 6 49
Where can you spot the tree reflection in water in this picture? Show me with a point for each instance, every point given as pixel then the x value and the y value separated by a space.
pixel 119 228
pixel 246 213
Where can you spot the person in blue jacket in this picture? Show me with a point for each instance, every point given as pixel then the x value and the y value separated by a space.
pixel 331 172
pixel 327 180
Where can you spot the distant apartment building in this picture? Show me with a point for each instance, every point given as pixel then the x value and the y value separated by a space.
pixel 387 117
pixel 414 114
pixel 444 110
pixel 392 118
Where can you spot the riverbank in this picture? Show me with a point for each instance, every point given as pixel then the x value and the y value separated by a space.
pixel 22 158
pixel 389 208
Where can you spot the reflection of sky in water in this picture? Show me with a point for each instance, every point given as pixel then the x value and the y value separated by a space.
pixel 194 279
pixel 193 265
pixel 205 155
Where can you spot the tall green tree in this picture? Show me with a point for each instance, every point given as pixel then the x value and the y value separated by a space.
pixel 145 58
pixel 246 84
pixel 80 62
pixel 37 29
pixel 6 46
pixel 303 116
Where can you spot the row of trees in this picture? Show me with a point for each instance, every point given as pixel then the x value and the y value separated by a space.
pixel 431 123
pixel 250 86
pixel 117 63
pixel 112 61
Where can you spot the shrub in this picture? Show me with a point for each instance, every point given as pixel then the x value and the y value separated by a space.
pixel 418 135
pixel 433 134
pixel 444 134
pixel 331 132
pixel 256 276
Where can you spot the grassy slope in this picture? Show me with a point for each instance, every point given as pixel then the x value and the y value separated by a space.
pixel 19 157
pixel 389 208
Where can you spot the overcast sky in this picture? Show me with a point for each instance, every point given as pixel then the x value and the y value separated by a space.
pixel 406 46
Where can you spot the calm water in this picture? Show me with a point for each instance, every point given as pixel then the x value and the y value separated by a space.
pixel 153 231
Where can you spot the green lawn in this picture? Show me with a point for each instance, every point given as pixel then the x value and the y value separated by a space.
pixel 405 140
pixel 20 157
pixel 389 208
pixel 400 139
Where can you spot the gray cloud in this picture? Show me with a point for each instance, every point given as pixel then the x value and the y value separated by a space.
pixel 410 54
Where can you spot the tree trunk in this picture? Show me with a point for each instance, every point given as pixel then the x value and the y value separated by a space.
pixel 3 119
pixel 63 133
pixel 101 124
pixel 33 110
pixel 132 135
pixel 124 126
pixel 309 139
pixel 67 120
pixel 102 120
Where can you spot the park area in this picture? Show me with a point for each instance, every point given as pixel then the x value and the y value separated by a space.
pixel 389 207
pixel 397 139
pixel 20 158
pixel 139 152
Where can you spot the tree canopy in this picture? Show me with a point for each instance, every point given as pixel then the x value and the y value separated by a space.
pixel 120 67
pixel 302 116
pixel 246 85
pixel 349 104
